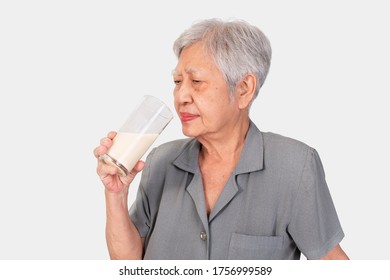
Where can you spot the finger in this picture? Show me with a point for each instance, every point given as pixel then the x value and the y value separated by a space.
pixel 106 142
pixel 98 151
pixel 111 134
pixel 137 168
pixel 104 169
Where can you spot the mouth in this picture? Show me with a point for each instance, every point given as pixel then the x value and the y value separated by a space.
pixel 186 117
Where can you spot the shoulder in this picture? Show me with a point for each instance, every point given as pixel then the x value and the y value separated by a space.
pixel 277 143
pixel 283 143
pixel 285 151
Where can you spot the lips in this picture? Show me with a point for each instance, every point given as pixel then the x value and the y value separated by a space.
pixel 186 117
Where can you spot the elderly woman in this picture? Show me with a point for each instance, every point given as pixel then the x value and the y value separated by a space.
pixel 228 191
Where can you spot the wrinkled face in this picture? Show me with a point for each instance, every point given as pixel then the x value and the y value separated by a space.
pixel 201 95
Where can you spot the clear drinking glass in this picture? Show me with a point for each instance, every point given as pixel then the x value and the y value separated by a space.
pixel 138 133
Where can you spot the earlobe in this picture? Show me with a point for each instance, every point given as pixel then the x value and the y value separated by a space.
pixel 245 90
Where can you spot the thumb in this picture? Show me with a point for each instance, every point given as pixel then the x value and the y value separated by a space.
pixel 136 169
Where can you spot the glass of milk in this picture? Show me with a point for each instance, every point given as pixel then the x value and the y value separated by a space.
pixel 138 133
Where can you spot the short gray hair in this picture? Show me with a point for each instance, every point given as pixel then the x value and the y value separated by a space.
pixel 237 48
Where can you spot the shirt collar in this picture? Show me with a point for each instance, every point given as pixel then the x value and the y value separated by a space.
pixel 252 155
pixel 251 158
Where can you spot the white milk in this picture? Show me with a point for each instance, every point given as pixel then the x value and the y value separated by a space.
pixel 128 148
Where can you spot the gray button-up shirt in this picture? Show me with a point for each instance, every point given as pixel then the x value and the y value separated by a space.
pixel 275 205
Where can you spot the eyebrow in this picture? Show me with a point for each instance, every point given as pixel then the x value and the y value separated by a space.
pixel 188 71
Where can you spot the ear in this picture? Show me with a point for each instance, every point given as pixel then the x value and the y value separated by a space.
pixel 245 90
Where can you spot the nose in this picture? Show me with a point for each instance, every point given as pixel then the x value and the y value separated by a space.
pixel 183 94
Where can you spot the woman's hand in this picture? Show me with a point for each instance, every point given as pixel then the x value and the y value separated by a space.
pixel 110 175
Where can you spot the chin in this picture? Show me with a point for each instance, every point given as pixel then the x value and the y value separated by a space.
pixel 189 132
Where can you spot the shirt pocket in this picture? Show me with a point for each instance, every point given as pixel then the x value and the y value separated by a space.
pixel 254 247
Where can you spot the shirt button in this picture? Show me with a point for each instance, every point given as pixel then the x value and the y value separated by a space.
pixel 203 236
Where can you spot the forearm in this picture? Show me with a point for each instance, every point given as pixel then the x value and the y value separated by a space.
pixel 123 239
pixel 337 253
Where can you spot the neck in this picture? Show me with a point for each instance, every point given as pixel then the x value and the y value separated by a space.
pixel 226 145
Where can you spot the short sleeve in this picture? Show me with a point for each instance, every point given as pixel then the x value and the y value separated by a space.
pixel 140 210
pixel 314 227
pixel 139 214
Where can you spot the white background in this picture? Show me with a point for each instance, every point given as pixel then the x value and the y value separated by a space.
pixel 70 71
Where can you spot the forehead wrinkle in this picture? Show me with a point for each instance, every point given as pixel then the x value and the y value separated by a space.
pixel 188 70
